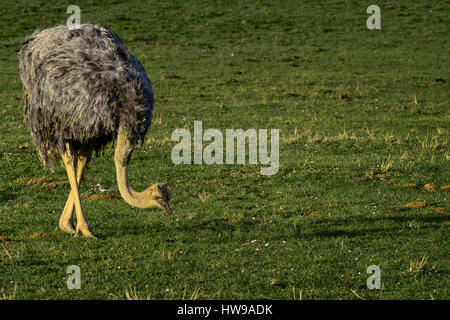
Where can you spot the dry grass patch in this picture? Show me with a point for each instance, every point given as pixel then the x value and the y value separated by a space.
pixel 39 235
pixel 204 197
pixel 23 146
pixel 4 239
pixel 429 186
pixel 132 294
pixel 47 182
pixel 418 266
pixel 386 165
pixel 21 205
pixel 417 204
pixel 432 143
pixel 104 196
pixel 381 177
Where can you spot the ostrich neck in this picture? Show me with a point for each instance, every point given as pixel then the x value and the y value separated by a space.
pixel 122 156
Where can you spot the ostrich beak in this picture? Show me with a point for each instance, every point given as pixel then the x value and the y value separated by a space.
pixel 165 206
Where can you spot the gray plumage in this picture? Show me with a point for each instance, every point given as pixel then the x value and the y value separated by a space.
pixel 80 85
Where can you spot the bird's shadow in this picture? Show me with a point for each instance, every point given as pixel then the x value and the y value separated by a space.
pixel 325 227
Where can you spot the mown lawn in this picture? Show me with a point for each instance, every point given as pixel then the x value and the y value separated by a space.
pixel 364 130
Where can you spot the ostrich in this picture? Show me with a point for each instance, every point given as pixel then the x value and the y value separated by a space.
pixel 83 89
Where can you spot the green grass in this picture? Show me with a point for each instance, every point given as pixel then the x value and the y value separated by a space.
pixel 348 166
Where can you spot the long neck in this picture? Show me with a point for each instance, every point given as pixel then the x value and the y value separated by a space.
pixel 122 155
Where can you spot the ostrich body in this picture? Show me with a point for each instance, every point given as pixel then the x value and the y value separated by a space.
pixel 84 89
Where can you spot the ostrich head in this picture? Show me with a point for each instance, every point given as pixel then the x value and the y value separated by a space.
pixel 160 195
pixel 157 195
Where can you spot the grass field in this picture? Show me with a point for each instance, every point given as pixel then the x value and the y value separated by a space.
pixel 364 130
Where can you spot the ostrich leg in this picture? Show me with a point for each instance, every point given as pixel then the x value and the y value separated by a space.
pixel 70 160
pixel 66 220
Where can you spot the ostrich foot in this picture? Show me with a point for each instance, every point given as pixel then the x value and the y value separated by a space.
pixel 84 231
pixel 67 226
